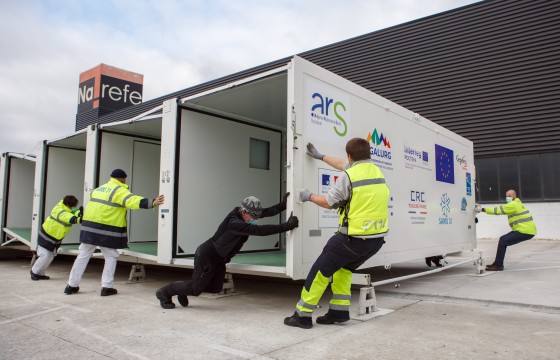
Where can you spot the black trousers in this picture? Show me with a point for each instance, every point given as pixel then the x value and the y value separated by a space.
pixel 208 275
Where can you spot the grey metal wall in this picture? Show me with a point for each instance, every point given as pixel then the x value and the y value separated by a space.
pixel 489 71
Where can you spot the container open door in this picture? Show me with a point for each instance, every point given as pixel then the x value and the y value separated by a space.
pixel 18 172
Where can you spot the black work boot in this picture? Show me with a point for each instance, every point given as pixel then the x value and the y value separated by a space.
pixel 37 276
pixel 332 318
pixel 69 290
pixel 108 291
pixel 298 321
pixel 164 296
pixel 183 300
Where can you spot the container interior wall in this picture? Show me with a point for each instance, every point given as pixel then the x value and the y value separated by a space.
pixel 64 176
pixel 19 205
pixel 221 162
pixel 140 159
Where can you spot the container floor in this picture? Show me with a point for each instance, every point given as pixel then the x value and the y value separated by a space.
pixel 268 258
pixel 24 233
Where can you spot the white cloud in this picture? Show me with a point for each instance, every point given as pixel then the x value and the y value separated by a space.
pixel 174 44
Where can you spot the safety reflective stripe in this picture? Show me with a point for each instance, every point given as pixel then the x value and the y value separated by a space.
pixel 47 239
pixel 368 182
pixel 341 297
pixel 304 314
pixel 113 193
pixel 306 305
pixel 521 221
pixel 125 199
pixel 104 232
pixel 518 214
pixel 60 222
pixel 105 202
pixel 339 307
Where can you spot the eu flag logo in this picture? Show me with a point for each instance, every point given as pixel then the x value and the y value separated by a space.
pixel 444 165
pixel 425 156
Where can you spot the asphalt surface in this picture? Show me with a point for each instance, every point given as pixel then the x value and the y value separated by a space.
pixel 452 314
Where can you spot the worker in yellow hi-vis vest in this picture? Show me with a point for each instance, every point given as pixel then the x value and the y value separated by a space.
pixel 52 232
pixel 520 220
pixel 104 226
pixel 362 199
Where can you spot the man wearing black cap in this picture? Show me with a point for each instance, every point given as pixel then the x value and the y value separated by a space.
pixel 104 226
pixel 211 257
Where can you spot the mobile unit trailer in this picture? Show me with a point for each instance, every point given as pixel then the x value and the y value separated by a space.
pixel 16 197
pixel 249 138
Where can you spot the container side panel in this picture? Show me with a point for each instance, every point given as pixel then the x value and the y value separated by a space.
pixel 428 169
pixel 222 162
pixel 167 182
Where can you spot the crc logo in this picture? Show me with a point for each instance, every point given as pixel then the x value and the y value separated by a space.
pixel 326 109
pixel 417 196
pixel 462 160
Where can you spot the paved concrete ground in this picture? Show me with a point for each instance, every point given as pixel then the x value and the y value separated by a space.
pixel 514 314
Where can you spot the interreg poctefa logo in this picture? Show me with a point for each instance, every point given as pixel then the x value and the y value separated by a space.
pixel 379 142
pixel 413 155
pixel 329 111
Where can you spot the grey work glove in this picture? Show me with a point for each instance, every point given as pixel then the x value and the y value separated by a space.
pixel 284 201
pixel 291 223
pixel 304 195
pixel 477 209
pixel 312 151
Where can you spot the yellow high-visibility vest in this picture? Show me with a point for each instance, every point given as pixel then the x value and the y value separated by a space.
pixel 366 214
pixel 519 218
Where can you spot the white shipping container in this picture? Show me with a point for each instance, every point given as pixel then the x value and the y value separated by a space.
pixel 208 151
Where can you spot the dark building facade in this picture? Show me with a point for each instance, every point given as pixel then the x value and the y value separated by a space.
pixel 489 71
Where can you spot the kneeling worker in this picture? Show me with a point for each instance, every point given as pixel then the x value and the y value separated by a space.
pixel 211 257
pixel 52 232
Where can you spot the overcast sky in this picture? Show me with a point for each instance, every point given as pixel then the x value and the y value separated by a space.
pixel 175 44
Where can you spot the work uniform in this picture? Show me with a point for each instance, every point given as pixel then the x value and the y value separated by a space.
pixel 104 225
pixel 211 257
pixel 51 234
pixel 522 226
pixel 362 197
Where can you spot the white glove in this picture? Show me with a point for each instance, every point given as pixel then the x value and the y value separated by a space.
pixel 477 209
pixel 304 195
